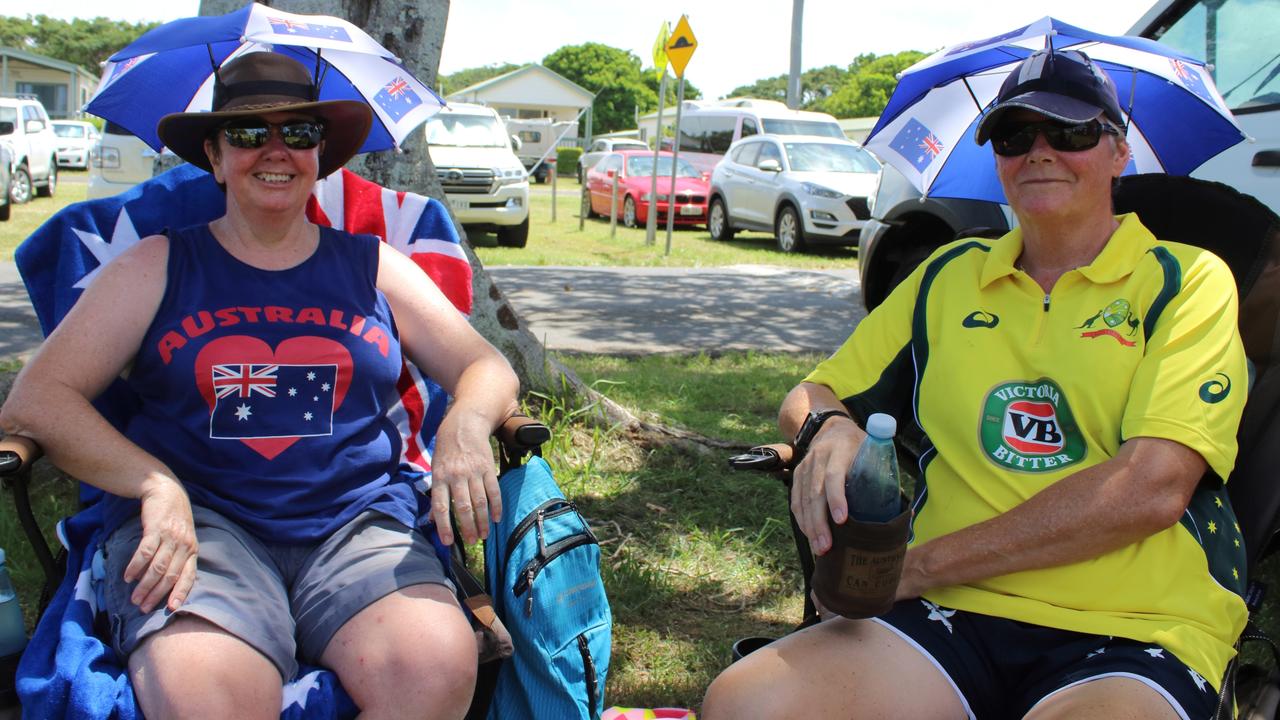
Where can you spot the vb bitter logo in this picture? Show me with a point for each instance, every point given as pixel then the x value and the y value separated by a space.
pixel 1028 426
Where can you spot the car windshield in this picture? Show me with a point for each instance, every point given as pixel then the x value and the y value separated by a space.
pixel 779 126
pixel 630 145
pixel 68 131
pixel 642 166
pixel 466 131
pixel 829 157
pixel 8 115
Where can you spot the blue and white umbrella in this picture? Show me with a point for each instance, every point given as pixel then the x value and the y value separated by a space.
pixel 170 69
pixel 1177 118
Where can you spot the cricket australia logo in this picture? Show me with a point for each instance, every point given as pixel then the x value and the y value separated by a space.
pixel 1116 318
pixel 1028 426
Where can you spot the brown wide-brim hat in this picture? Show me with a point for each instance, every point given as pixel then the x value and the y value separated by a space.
pixel 258 83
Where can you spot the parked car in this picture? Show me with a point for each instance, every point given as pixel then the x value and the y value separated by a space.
pixel 118 161
pixel 906 228
pixel 484 182
pixel 804 189
pixel 75 142
pixel 32 146
pixel 602 147
pixel 634 169
pixel 6 205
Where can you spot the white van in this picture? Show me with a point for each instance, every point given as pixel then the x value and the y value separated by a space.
pixel 484 181
pixel 707 129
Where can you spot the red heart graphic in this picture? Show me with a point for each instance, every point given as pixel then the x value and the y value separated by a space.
pixel 242 349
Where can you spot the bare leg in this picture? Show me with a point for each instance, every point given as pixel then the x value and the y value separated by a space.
pixel 835 670
pixel 1114 698
pixel 411 654
pixel 195 669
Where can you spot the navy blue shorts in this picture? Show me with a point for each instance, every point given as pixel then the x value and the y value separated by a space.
pixel 1002 668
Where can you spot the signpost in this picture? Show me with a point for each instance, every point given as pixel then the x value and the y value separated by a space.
pixel 680 48
pixel 660 62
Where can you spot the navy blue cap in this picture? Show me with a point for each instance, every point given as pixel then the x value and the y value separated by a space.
pixel 1062 85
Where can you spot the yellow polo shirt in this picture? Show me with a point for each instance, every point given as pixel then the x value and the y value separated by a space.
pixel 1014 390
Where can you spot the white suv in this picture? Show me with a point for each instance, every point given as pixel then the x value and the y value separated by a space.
pixel 33 147
pixel 484 181
pixel 804 189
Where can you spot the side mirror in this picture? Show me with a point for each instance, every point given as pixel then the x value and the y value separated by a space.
pixel 35 126
pixel 6 127
pixel 515 142
pixel 770 165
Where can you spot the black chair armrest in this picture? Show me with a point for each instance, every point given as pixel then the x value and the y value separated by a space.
pixel 765 458
pixel 17 454
pixel 519 435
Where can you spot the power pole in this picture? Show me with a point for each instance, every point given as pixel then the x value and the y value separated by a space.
pixel 793 82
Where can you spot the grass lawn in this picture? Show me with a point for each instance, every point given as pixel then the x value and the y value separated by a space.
pixel 72 186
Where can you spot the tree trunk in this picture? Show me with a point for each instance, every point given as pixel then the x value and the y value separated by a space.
pixel 414 32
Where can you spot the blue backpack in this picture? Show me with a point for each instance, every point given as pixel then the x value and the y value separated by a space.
pixel 543 568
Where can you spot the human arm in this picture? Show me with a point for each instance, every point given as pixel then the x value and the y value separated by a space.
pixel 1141 491
pixel 440 341
pixel 51 404
pixel 818 481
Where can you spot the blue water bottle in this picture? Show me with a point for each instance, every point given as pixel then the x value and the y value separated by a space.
pixel 872 487
pixel 13 636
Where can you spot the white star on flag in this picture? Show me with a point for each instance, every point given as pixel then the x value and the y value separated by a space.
pixel 306 416
pixel 1195 677
pixel 243 412
pixel 123 237
pixel 311 376
pixel 325 387
pixel 1096 653
pixel 293 392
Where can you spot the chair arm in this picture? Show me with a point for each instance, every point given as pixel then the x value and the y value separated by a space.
pixel 765 458
pixel 518 436
pixel 17 454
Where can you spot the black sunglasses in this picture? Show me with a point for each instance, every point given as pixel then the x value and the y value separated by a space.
pixel 254 133
pixel 1011 139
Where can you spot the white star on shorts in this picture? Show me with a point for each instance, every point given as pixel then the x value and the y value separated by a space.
pixel 1155 652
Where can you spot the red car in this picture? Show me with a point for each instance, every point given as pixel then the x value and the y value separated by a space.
pixel 634 169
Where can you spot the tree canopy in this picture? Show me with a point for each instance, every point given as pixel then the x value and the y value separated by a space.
pixel 87 43
pixel 466 78
pixel 860 90
pixel 613 75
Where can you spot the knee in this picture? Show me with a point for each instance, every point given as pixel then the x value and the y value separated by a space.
pixel 435 679
pixel 213 692
pixel 734 695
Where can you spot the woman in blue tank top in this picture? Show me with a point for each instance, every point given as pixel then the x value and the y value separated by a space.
pixel 265 351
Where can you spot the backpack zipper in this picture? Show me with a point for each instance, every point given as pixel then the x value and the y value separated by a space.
pixel 589 669
pixel 549 509
pixel 535 566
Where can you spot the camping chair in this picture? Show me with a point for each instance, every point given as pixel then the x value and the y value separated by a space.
pixel 66 669
pixel 1246 235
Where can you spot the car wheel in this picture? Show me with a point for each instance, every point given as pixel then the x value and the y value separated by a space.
pixel 629 212
pixel 50 185
pixel 5 210
pixel 514 235
pixel 788 230
pixel 20 186
pixel 718 221
pixel 587 212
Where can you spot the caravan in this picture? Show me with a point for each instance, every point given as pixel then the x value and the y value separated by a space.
pixel 708 128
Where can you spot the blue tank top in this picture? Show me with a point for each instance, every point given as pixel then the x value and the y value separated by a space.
pixel 266 391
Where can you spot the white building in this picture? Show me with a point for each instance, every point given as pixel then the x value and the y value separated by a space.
pixel 533 91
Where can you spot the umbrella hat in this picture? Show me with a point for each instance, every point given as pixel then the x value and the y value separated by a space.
pixel 171 69
pixel 1175 119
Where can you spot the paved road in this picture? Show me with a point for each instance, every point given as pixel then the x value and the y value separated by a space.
pixel 649 310
pixel 622 310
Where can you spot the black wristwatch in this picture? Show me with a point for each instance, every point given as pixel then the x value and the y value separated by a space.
pixel 812 424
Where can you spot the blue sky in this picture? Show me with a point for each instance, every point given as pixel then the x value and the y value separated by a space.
pixel 736 46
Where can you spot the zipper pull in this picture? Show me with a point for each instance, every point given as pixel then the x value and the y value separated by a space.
pixel 1046 302
pixel 528 601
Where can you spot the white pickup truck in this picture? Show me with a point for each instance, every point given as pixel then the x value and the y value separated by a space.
pixel 484 181
pixel 27 134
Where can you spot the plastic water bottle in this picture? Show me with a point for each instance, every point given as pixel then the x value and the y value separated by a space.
pixel 13 633
pixel 871 486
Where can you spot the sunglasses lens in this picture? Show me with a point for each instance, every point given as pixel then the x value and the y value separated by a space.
pixel 302 135
pixel 1012 140
pixel 251 136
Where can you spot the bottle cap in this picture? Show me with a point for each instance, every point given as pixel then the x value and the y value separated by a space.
pixel 882 426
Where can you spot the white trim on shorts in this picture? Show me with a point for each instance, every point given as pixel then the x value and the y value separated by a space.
pixel 1142 679
pixel 919 648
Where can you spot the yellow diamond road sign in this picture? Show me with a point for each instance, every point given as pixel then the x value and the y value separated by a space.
pixel 681 45
pixel 660 50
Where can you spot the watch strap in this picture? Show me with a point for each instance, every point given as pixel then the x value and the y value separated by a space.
pixel 812 424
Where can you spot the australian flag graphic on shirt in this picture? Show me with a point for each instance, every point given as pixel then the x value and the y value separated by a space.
pixel 272 401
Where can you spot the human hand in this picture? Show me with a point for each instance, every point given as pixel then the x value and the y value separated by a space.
pixel 462 473
pixel 818 483
pixel 165 561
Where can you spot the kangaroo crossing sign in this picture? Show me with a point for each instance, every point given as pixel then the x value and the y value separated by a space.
pixel 680 46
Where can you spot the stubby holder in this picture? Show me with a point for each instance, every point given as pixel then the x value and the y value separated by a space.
pixel 858 577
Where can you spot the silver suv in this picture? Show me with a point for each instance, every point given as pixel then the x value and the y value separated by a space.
pixel 804 189
pixel 27 134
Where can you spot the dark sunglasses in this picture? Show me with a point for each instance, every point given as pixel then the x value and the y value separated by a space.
pixel 1012 139
pixel 254 133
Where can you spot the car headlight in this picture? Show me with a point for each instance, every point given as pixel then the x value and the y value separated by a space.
pixel 508 176
pixel 662 197
pixel 822 192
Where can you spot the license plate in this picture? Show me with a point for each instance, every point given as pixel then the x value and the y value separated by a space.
pixel 690 210
pixel 459 204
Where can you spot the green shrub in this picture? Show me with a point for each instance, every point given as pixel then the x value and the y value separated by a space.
pixel 567 160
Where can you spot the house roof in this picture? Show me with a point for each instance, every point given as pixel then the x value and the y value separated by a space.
pixel 44 60
pixel 530 68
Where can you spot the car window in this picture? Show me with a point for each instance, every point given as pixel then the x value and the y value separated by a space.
pixel 613 162
pixel 768 151
pixel 747 153
pixel 8 120
pixel 1236 38
pixel 466 131
pixel 748 128
pixel 29 112
pixel 642 166
pixel 782 126
pixel 68 131
pixel 599 146
pixel 829 157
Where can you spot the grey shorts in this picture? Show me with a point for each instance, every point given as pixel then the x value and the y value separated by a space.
pixel 286 601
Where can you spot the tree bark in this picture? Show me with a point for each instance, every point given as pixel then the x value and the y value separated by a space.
pixel 414 32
